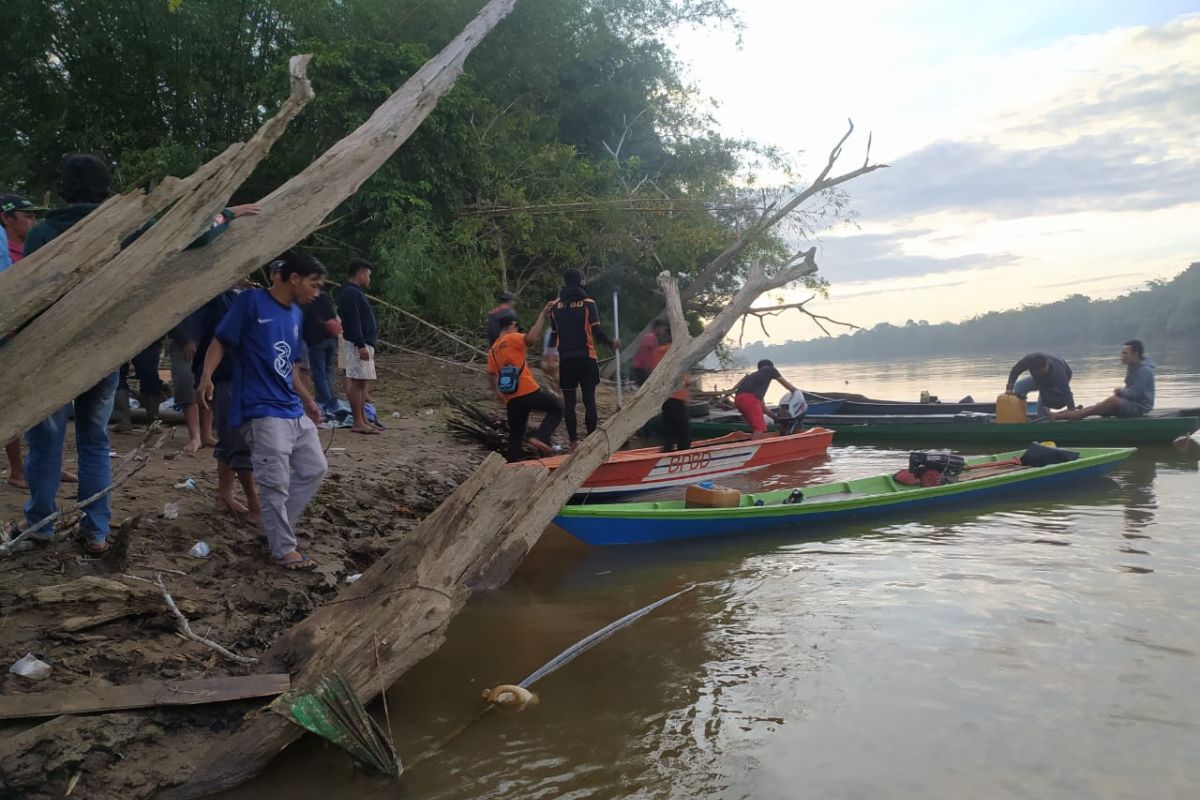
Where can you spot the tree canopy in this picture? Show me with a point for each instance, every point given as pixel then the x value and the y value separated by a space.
pixel 1163 313
pixel 573 139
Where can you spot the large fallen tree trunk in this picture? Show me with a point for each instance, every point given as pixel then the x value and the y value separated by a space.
pixel 119 302
pixel 771 216
pixel 397 613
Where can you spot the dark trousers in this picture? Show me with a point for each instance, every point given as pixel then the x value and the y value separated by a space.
pixel 518 418
pixel 676 431
pixel 145 368
pixel 590 418
pixel 582 374
pixel 322 362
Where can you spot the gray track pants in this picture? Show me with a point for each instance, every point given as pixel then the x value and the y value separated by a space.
pixel 288 468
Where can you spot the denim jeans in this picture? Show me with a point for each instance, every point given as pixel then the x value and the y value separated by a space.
pixel 322 360
pixel 43 463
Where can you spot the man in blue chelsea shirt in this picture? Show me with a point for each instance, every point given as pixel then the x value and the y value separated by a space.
pixel 261 333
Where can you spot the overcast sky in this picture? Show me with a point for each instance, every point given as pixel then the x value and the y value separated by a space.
pixel 1037 149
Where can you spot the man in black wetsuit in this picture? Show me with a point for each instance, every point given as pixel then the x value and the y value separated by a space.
pixel 575 326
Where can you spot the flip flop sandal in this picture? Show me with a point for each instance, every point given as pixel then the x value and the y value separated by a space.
pixel 301 564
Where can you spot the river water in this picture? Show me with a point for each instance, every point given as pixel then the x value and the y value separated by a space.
pixel 1027 647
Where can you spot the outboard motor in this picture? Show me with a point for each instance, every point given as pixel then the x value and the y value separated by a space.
pixel 935 467
pixel 792 407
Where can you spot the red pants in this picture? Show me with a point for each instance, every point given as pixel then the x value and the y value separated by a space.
pixel 752 411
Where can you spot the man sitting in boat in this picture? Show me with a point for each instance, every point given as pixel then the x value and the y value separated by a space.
pixel 1049 375
pixel 749 396
pixel 1135 398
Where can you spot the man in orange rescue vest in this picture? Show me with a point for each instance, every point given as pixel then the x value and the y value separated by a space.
pixel 515 387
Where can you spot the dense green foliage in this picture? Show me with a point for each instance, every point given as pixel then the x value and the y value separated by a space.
pixel 571 140
pixel 1165 313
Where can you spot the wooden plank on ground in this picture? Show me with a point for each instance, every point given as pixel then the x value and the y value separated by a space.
pixel 141 695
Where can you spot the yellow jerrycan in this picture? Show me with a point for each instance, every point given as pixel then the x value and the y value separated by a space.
pixel 1010 408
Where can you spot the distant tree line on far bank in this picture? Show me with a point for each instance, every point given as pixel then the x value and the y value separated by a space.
pixel 1164 314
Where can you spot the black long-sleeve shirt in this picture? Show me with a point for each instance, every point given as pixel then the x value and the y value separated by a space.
pixel 1054 386
pixel 358 320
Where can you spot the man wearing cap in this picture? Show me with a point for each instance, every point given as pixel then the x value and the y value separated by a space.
pixel 17 217
pixel 575 321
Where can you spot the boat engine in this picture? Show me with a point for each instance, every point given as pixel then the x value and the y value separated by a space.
pixel 935 467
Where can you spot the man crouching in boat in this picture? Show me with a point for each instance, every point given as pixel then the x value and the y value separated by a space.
pixel 749 396
pixel 1135 398
pixel 1049 375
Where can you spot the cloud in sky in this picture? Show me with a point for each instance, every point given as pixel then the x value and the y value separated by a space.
pixel 872 256
pixel 1042 147
pixel 1103 172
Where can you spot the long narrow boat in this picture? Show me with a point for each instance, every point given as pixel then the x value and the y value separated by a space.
pixel 824 405
pixel 1160 427
pixel 644 523
pixel 648 468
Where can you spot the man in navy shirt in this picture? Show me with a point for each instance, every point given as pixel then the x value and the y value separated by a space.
pixel 278 417
pixel 360 335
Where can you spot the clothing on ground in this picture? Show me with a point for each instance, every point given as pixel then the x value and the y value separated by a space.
pixel 575 321
pixel 358 320
pixel 356 368
pixel 518 410
pixel 510 351
pixel 757 382
pixel 288 467
pixel 1139 385
pixel 263 339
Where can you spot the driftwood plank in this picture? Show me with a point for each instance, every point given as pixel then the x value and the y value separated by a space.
pixel 146 694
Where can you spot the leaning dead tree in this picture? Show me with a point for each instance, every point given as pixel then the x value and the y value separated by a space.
pixel 397 613
pixel 94 305
pixel 85 305
pixel 768 219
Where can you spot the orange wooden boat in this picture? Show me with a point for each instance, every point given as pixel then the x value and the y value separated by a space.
pixel 629 471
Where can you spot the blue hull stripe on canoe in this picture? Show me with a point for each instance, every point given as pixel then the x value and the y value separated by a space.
pixel 605 531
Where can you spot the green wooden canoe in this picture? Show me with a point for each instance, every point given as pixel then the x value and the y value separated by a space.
pixel 648 522
pixel 948 430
